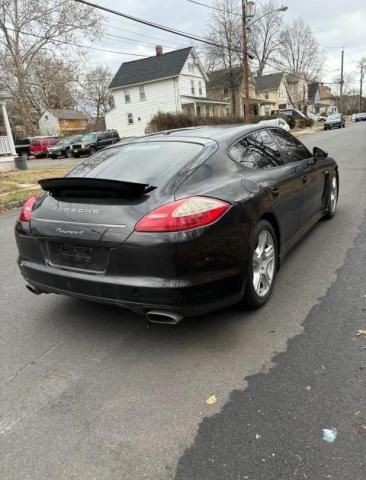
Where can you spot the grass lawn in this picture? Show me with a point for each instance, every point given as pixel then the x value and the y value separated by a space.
pixel 20 184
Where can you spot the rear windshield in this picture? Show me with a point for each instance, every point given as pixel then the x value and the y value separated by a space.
pixel 23 141
pixel 336 116
pixel 145 162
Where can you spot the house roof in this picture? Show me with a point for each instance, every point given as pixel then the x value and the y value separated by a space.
pixel 222 78
pixel 269 82
pixel 68 114
pixel 295 78
pixel 152 68
pixel 325 92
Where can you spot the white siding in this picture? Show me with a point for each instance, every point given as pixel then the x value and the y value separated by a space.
pixel 161 96
pixel 187 75
pixel 48 124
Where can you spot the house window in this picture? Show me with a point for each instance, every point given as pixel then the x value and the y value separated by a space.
pixel 200 88
pixel 266 96
pixel 46 117
pixel 142 93
pixel 130 118
pixel 127 96
pixel 198 109
pixel 226 92
pixel 191 67
pixel 192 87
pixel 227 111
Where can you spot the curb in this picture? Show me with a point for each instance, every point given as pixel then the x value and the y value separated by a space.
pixel 11 205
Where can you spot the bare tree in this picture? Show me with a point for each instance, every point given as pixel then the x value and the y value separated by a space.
pixel 265 35
pixel 32 28
pixel 299 51
pixel 96 92
pixel 224 29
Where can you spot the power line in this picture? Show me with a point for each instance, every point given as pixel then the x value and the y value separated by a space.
pixel 65 42
pixel 154 25
pixel 214 8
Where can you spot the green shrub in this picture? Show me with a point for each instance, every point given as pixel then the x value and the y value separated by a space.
pixel 168 121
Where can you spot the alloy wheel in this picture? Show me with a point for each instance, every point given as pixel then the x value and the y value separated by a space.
pixel 264 263
pixel 333 195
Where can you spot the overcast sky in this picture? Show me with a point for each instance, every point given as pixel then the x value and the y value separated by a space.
pixel 335 23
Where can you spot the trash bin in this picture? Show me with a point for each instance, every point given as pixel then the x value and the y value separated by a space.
pixel 21 163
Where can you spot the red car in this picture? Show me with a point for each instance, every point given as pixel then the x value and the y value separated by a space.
pixel 39 145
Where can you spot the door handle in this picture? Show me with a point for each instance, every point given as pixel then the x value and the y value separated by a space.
pixel 275 192
pixel 304 178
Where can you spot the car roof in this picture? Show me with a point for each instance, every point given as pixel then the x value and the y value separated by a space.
pixel 218 133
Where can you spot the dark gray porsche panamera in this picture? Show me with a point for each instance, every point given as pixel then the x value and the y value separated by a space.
pixel 179 223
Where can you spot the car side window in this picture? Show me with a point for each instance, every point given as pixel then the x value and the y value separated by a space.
pixel 292 149
pixel 257 150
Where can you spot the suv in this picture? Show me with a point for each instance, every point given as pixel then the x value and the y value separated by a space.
pixel 22 147
pixel 39 145
pixel 62 148
pixel 91 142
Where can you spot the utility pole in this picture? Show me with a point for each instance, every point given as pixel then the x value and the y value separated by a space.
pixel 245 63
pixel 361 81
pixel 341 89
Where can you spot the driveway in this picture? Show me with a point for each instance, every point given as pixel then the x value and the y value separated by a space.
pixel 89 392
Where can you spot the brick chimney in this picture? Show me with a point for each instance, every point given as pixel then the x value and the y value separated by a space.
pixel 159 50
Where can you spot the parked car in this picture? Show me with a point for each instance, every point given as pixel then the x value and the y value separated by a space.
pixel 360 117
pixel 179 223
pixel 317 117
pixel 39 145
pixel 276 122
pixel 335 120
pixel 22 147
pixel 91 142
pixel 62 147
pixel 295 114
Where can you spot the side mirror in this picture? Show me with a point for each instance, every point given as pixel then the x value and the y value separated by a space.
pixel 318 153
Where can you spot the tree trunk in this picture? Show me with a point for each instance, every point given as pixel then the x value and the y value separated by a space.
pixel 24 104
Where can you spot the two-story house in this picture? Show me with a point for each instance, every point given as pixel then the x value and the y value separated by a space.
pixel 273 88
pixel 62 122
pixel 228 85
pixel 297 91
pixel 167 82
pixel 321 99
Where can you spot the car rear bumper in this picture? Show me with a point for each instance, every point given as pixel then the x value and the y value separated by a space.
pixel 187 297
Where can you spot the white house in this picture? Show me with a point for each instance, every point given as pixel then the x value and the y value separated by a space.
pixel 62 122
pixel 168 82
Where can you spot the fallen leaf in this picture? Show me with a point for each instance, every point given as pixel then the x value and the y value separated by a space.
pixel 257 436
pixel 361 333
pixel 308 388
pixel 211 400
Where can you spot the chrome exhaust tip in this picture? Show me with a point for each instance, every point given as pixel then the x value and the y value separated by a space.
pixel 163 317
pixel 34 290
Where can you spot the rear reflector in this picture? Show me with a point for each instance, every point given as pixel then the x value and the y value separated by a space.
pixel 25 214
pixel 192 212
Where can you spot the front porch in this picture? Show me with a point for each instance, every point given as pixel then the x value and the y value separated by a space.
pixel 204 107
pixel 7 148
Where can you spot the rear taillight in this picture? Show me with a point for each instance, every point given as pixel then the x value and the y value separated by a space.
pixel 25 214
pixel 185 214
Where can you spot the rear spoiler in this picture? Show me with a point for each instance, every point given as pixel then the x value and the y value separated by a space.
pixel 83 186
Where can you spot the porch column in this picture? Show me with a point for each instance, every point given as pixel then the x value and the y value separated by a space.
pixel 195 108
pixel 8 129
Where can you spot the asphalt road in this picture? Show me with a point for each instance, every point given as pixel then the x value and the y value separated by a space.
pixel 88 392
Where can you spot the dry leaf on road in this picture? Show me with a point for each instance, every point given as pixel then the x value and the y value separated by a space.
pixel 211 400
pixel 361 333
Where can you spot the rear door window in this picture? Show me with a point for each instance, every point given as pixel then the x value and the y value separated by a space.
pixel 143 162
pixel 292 149
pixel 257 150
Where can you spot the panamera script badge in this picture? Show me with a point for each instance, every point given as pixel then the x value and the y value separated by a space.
pixel 69 232
pixel 61 208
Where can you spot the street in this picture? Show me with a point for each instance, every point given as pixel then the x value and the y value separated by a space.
pixel 89 392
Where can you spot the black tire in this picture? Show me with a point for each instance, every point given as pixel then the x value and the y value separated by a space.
pixel 76 155
pixel 330 205
pixel 53 157
pixel 68 153
pixel 251 297
pixel 92 150
pixel 325 128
